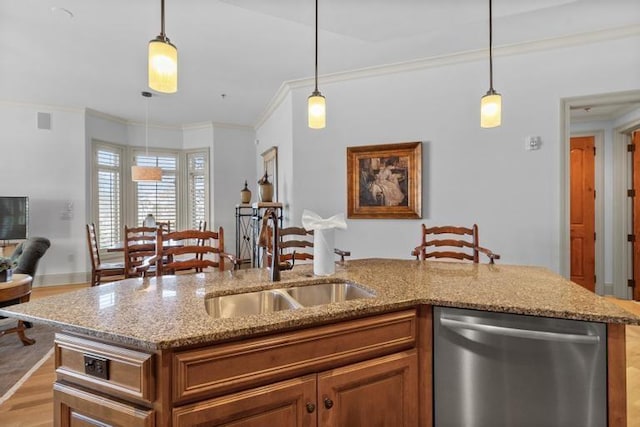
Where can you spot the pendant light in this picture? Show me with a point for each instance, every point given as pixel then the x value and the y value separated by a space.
pixel 163 61
pixel 491 102
pixel 146 173
pixel 316 103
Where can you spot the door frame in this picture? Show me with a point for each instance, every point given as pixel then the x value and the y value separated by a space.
pixel 619 286
pixel 622 253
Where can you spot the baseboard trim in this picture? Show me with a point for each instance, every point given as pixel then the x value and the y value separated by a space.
pixel 60 279
pixel 608 289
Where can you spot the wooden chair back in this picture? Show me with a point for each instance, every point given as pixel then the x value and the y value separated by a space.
pixel 296 243
pixel 452 242
pixel 165 226
pixel 92 241
pixel 191 249
pixel 139 243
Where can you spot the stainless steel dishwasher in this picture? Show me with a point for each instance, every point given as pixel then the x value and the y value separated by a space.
pixel 497 369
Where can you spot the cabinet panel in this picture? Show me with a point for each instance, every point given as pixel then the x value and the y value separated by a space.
pixel 236 366
pixel 379 392
pixel 283 405
pixel 129 373
pixel 74 407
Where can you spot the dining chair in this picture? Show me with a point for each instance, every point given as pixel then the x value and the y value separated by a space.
pixel 99 269
pixel 191 249
pixel 296 243
pixel 164 225
pixel 452 242
pixel 139 244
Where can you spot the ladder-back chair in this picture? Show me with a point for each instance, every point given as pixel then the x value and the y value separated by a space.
pixel 453 242
pixel 139 244
pixel 99 269
pixel 296 243
pixel 191 249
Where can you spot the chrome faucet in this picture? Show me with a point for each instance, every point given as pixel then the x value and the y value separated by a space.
pixel 276 265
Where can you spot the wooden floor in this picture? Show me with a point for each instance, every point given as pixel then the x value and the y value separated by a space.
pixel 32 404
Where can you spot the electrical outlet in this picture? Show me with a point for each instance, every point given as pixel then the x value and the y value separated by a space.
pixel 96 366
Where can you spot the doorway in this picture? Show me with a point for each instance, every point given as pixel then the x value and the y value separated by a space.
pixel 611 118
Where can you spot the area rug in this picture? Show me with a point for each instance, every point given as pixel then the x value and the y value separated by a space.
pixel 17 361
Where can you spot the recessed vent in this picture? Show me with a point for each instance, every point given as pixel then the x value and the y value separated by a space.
pixel 44 121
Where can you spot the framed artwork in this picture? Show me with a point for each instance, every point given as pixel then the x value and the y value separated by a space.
pixel 385 181
pixel 270 160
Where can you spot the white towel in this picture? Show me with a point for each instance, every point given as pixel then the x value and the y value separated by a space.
pixel 323 240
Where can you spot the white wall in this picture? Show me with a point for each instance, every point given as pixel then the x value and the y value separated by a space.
pixel 233 163
pixel 278 132
pixel 49 167
pixel 470 175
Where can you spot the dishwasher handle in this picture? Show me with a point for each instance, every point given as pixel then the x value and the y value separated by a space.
pixel 521 333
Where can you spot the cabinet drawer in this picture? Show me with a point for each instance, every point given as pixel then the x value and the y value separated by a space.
pixel 112 370
pixel 75 407
pixel 235 366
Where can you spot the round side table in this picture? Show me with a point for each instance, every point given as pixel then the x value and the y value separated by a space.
pixel 18 288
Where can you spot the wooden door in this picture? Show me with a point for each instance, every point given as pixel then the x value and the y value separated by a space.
pixel 379 392
pixel 582 211
pixel 635 141
pixel 290 403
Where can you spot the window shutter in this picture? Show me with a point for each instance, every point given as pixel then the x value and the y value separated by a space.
pixel 108 167
pixel 197 173
pixel 158 198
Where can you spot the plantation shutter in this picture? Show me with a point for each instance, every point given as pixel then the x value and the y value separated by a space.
pixel 108 166
pixel 197 195
pixel 158 198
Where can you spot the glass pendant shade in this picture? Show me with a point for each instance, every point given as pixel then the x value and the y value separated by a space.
pixel 163 65
pixel 491 110
pixel 317 111
pixel 146 173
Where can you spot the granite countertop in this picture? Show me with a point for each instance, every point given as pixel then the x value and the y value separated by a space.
pixel 169 312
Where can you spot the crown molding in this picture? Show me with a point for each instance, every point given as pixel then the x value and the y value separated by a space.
pixel 100 115
pixel 50 107
pixel 450 59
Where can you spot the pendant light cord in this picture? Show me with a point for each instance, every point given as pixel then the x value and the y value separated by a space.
pixel 316 89
pixel 146 123
pixel 162 18
pixel 490 47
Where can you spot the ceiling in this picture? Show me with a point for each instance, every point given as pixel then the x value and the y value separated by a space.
pixel 246 49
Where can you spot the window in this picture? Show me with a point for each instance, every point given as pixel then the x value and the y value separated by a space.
pixel 197 180
pixel 181 197
pixel 158 198
pixel 108 193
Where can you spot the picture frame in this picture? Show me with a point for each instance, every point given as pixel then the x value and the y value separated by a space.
pixel 270 162
pixel 385 181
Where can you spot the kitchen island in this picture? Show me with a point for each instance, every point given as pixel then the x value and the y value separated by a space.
pixel 146 352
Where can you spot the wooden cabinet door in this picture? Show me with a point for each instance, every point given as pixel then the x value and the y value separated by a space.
pixel 379 392
pixel 290 403
pixel 74 407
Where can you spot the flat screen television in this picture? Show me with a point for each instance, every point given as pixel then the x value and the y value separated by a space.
pixel 14 218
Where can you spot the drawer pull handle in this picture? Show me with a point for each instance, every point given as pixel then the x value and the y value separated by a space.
pixel 311 407
pixel 328 403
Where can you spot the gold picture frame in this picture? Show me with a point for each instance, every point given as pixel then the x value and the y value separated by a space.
pixel 270 162
pixel 385 181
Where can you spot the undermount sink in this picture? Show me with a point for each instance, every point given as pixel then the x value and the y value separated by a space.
pixel 326 293
pixel 246 304
pixel 270 301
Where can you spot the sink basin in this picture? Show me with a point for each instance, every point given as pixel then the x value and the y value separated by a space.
pixel 326 293
pixel 273 300
pixel 246 304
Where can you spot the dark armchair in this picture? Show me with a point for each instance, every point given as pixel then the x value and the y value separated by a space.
pixel 27 256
